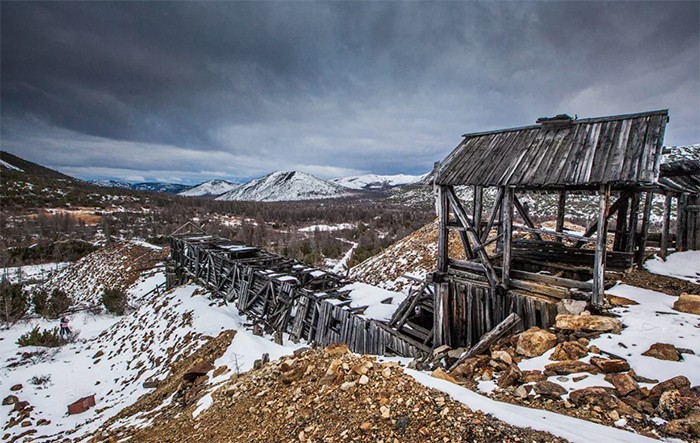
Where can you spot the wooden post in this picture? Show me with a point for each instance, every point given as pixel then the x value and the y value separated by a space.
pixel 441 323
pixel 600 250
pixel 681 217
pixel 443 239
pixel 560 214
pixel 632 225
pixel 663 247
pixel 621 225
pixel 476 213
pixel 507 229
pixel 641 251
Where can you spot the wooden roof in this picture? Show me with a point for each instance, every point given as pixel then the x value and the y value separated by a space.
pixel 681 176
pixel 621 150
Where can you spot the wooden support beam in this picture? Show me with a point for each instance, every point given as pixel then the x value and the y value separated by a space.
pixel 465 244
pixel 473 237
pixel 441 321
pixel 443 215
pixel 621 226
pixel 632 225
pixel 561 211
pixel 478 207
pixel 525 216
pixel 556 234
pixel 681 222
pixel 492 217
pixel 665 226
pixel 641 251
pixel 600 250
pixel 489 338
pixel 611 210
pixel 507 229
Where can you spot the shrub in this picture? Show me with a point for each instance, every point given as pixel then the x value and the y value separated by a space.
pixel 51 306
pixel 14 301
pixel 114 300
pixel 49 338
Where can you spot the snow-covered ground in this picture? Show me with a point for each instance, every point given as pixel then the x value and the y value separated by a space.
pixel 374 181
pixel 684 265
pixel 31 272
pixel 327 228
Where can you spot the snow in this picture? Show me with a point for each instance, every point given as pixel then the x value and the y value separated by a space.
pixel 374 181
pixel 342 265
pixel 210 188
pixel 573 429
pixel 327 228
pixel 684 265
pixel 32 272
pixel 286 186
pixel 363 294
pixel 9 166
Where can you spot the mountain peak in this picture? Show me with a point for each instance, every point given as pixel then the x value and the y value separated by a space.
pixel 286 186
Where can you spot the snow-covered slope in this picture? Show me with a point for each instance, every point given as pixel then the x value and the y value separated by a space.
pixel 374 181
pixel 171 188
pixel 112 184
pixel 210 188
pixel 4 164
pixel 286 186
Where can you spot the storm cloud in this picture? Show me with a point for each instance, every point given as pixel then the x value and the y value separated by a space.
pixel 190 91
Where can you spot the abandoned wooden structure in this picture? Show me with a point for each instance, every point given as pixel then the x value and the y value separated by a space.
pixel 680 180
pixel 284 295
pixel 513 266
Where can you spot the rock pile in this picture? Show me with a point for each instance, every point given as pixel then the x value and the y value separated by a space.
pixel 326 395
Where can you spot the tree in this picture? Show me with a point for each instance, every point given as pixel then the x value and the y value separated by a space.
pixel 13 301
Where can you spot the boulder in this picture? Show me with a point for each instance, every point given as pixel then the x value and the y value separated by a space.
pixel 509 377
pixel 549 389
pixel 689 303
pixel 534 375
pixel 197 370
pixel 535 342
pixel 594 396
pixel 571 367
pixel 570 350
pixel 442 375
pixel 570 306
pixel 16 387
pixel 589 323
pixel 616 300
pixel 10 400
pixel 610 365
pixel 624 383
pixel 502 356
pixel 673 404
pixel 663 351
pixel 471 367
pixel 679 382
pixel 683 427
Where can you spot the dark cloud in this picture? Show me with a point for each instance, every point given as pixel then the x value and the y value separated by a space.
pixel 188 90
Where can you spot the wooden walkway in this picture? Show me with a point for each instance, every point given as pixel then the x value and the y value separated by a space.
pixel 285 295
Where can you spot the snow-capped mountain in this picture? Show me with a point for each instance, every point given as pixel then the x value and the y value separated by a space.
pixel 374 181
pixel 286 186
pixel 210 188
pixel 170 188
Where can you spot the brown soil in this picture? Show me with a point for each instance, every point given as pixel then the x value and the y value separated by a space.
pixel 318 396
pixel 660 283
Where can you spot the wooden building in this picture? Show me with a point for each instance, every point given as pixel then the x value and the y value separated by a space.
pixel 512 265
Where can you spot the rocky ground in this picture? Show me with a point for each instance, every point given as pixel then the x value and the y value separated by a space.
pixel 315 395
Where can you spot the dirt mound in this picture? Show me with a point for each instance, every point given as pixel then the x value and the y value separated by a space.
pixel 328 395
pixel 114 266
pixel 413 255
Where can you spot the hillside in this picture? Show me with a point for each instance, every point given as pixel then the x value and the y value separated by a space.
pixel 286 186
pixel 211 188
pixel 374 181
pixel 170 188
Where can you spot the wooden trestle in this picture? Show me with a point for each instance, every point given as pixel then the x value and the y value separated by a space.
pixel 286 296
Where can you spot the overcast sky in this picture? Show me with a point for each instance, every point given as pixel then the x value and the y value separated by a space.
pixel 185 92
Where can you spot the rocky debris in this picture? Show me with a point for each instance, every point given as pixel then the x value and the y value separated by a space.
pixel 471 367
pixel 570 350
pixel 663 351
pixel 674 404
pixel 362 400
pixel 571 367
pixel 570 306
pixel 685 427
pixel 438 373
pixel 689 303
pixel 588 323
pixel 10 400
pixel 549 389
pixel 660 283
pixel 680 383
pixel 616 300
pixel 534 375
pixel 199 369
pixel 15 388
pixel 509 377
pixel 535 342
pixel 624 384
pixel 610 365
pixel 594 396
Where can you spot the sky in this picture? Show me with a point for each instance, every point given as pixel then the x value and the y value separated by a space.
pixel 185 92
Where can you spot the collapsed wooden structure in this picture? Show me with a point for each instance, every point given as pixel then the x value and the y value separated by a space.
pixel 511 265
pixel 284 295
